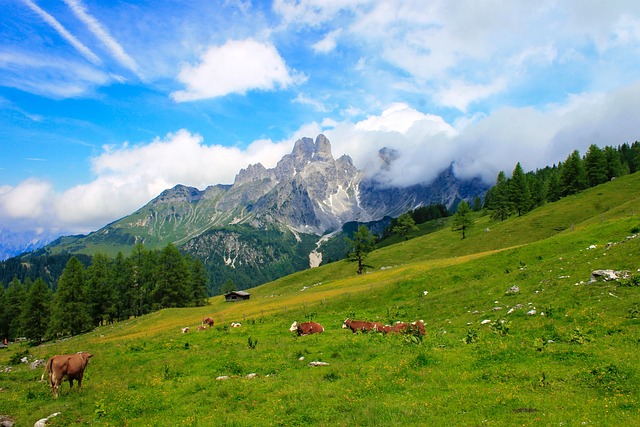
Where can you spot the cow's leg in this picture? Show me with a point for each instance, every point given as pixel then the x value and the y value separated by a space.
pixel 79 381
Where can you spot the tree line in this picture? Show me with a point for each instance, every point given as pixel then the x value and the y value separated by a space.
pixel 523 192
pixel 105 291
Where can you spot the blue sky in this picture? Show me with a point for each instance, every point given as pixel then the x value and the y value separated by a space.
pixel 105 104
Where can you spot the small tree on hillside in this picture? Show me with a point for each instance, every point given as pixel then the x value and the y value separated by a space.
pixel 362 243
pixel 228 286
pixel 404 225
pixel 462 220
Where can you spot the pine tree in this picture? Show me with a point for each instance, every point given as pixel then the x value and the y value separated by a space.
pixel 199 282
pixel 462 219
pixel 403 225
pixel 101 293
pixel 573 177
pixel 70 313
pixel 519 193
pixel 14 298
pixel 36 311
pixel 554 191
pixel 362 243
pixel 538 188
pixel 615 167
pixel 595 164
pixel 477 204
pixel 4 317
pixel 121 280
pixel 499 203
pixel 172 288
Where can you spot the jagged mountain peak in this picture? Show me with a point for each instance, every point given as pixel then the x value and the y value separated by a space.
pixel 305 149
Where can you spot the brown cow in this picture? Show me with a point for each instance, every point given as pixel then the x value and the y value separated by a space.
pixel 208 321
pixel 362 326
pixel 306 328
pixel 70 366
pixel 418 327
pixel 395 329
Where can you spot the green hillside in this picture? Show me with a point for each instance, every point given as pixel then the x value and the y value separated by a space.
pixel 486 358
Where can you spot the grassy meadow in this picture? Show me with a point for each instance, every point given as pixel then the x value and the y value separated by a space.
pixel 483 362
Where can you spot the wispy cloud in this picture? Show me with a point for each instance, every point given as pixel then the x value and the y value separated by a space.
pixel 64 33
pixel 116 50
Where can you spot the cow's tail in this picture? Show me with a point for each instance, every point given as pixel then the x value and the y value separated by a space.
pixel 47 368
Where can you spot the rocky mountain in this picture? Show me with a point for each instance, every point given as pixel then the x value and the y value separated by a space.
pixel 269 222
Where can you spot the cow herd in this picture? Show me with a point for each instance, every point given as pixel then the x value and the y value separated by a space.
pixel 72 366
pixel 307 328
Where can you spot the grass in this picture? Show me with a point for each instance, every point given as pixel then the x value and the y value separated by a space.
pixel 574 365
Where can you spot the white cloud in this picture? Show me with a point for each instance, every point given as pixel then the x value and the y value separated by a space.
pixel 28 200
pixel 328 43
pixel 235 67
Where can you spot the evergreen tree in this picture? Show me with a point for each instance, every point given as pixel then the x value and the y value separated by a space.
pixel 554 191
pixel 362 243
pixel 462 219
pixel 199 282
pixel 142 265
pixel 519 193
pixel 101 293
pixel 4 316
pixel 14 301
pixel 477 204
pixel 172 288
pixel 36 311
pixel 70 314
pixel 403 225
pixel 615 167
pixel 499 203
pixel 121 281
pixel 573 177
pixel 595 164
pixel 228 286
pixel 538 188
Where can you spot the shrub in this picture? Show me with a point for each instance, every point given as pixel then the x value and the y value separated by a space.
pixel 500 327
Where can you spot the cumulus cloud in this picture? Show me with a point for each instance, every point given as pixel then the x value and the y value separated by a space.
pixel 235 67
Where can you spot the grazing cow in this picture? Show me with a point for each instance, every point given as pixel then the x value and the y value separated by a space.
pixel 207 321
pixel 235 324
pixel 395 329
pixel 418 327
pixel 362 326
pixel 306 328
pixel 185 329
pixel 70 366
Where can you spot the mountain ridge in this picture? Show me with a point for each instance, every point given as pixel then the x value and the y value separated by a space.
pixel 307 195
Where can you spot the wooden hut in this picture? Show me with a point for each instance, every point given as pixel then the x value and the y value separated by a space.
pixel 236 296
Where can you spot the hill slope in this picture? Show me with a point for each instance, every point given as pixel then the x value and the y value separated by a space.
pixel 487 358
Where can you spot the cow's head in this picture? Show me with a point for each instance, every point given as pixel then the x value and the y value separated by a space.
pixel 294 327
pixel 345 325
